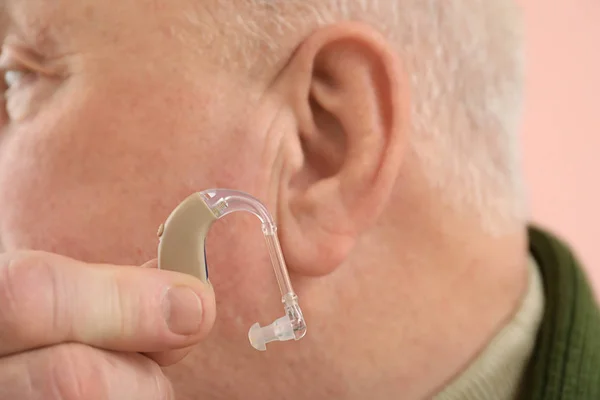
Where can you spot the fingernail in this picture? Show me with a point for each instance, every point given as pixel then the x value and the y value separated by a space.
pixel 183 310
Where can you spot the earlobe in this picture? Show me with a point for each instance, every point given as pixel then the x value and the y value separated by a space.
pixel 350 97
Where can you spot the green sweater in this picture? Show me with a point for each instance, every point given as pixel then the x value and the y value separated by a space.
pixel 565 364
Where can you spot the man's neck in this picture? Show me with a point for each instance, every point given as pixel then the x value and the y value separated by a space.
pixel 441 311
pixel 497 372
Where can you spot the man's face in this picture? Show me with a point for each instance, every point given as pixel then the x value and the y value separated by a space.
pixel 121 112
pixel 118 117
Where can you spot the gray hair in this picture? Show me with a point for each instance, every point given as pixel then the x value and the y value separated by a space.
pixel 465 62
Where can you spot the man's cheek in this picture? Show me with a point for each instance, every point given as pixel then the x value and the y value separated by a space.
pixel 84 223
pixel 43 207
pixel 25 202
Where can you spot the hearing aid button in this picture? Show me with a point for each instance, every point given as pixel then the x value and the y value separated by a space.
pixel 161 230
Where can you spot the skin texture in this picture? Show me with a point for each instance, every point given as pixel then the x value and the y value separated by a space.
pixel 127 109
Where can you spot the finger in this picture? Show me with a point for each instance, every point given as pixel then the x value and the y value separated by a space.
pixel 168 358
pixel 152 264
pixel 48 299
pixel 75 371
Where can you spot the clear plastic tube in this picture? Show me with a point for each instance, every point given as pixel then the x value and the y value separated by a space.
pixel 223 202
pixel 283 279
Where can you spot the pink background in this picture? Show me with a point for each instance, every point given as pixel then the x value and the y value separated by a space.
pixel 561 132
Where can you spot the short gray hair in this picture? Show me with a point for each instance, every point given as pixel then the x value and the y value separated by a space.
pixel 465 62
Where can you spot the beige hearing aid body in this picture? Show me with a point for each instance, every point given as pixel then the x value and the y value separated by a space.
pixel 182 238
pixel 182 243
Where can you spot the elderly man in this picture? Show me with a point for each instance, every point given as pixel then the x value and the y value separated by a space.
pixel 381 134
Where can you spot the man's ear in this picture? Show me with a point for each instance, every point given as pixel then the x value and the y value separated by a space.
pixel 350 99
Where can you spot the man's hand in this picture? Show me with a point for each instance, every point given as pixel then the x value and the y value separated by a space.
pixel 71 330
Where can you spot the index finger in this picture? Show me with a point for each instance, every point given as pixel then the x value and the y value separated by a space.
pixel 48 299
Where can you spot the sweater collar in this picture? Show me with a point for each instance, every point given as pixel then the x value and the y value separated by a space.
pixel 496 373
pixel 566 357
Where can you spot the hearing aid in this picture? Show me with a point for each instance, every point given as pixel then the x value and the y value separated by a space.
pixel 182 248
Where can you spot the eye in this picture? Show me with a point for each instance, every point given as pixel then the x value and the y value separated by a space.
pixel 14 77
pixel 18 66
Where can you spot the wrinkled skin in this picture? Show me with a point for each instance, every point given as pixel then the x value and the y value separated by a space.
pixel 123 121
pixel 127 110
